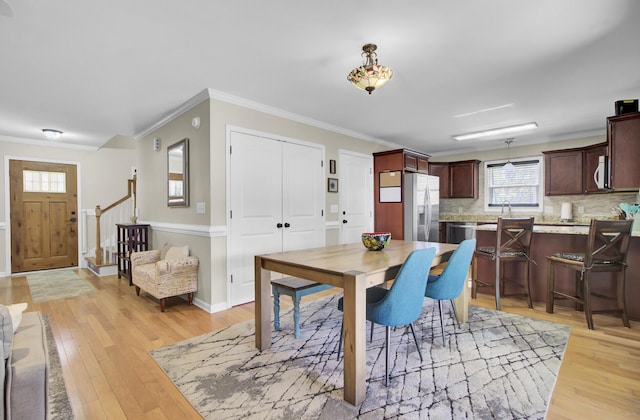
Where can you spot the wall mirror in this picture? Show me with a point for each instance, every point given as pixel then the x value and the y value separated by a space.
pixel 178 174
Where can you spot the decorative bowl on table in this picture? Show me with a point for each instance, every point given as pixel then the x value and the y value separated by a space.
pixel 376 241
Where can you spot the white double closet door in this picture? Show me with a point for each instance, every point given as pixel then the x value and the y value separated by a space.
pixel 276 204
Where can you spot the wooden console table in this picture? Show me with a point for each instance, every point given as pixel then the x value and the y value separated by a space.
pixel 131 238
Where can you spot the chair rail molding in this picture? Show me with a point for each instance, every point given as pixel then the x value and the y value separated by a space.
pixel 332 225
pixel 195 230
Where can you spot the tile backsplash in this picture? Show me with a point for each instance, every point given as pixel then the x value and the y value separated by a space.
pixel 593 206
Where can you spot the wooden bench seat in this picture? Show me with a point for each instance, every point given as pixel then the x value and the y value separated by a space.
pixel 296 288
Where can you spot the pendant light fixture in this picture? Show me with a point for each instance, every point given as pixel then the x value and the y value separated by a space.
pixel 509 167
pixel 370 76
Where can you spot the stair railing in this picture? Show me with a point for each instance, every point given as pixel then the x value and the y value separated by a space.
pixel 123 211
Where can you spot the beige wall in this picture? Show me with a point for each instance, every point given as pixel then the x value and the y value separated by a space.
pixel 102 174
pixel 179 225
pixel 152 169
pixel 208 157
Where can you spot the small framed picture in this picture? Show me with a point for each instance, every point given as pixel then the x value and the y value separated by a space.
pixel 332 166
pixel 332 185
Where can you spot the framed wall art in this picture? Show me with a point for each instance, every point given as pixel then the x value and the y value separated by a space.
pixel 332 185
pixel 332 166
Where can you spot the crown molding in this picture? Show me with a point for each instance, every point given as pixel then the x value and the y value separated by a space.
pixel 47 143
pixel 190 103
pixel 209 93
pixel 256 106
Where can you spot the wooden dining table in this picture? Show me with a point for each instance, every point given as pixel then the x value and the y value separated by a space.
pixel 351 267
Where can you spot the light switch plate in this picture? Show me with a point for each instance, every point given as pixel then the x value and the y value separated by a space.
pixel 200 207
pixel 334 208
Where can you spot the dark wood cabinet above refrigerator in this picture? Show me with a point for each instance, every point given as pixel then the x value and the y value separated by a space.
pixel 389 215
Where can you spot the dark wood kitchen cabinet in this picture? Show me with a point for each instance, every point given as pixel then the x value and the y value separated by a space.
pixel 623 135
pixel 457 179
pixel 442 230
pixel 563 172
pixel 441 170
pixel 389 216
pixel 463 179
pixel 415 162
pixel 570 171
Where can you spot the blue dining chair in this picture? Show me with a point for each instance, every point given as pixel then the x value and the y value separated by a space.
pixel 402 303
pixel 450 283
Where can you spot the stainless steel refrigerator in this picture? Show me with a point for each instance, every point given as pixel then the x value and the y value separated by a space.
pixel 421 196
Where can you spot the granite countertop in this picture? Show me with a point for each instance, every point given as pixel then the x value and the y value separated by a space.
pixel 566 230
pixel 539 219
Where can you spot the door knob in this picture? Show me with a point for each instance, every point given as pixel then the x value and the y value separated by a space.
pixel 279 225
pixel 287 225
pixel 344 221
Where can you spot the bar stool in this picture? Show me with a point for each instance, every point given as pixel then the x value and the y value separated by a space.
pixel 606 251
pixel 513 240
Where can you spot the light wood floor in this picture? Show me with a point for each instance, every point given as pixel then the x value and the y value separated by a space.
pixel 104 338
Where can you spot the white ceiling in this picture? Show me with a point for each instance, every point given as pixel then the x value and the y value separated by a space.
pixel 96 69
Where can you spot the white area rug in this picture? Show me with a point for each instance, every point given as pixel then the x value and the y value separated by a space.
pixel 498 365
pixel 52 285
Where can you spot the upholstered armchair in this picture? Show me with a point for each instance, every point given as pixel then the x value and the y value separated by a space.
pixel 165 273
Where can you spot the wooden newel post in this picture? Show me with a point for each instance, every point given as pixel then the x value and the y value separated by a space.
pixel 135 194
pixel 98 242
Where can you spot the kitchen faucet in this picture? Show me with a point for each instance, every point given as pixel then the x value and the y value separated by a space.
pixel 502 207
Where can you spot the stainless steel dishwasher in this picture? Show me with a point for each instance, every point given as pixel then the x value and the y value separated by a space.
pixel 459 231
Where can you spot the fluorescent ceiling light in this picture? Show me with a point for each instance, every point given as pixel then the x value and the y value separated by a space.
pixel 496 131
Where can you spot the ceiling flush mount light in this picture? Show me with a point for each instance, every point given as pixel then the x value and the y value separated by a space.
pixel 496 131
pixel 51 134
pixel 370 76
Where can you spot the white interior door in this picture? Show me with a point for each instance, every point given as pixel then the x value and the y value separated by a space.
pixel 356 196
pixel 256 208
pixel 302 197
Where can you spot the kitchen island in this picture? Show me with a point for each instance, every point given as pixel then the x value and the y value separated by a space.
pixel 549 240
